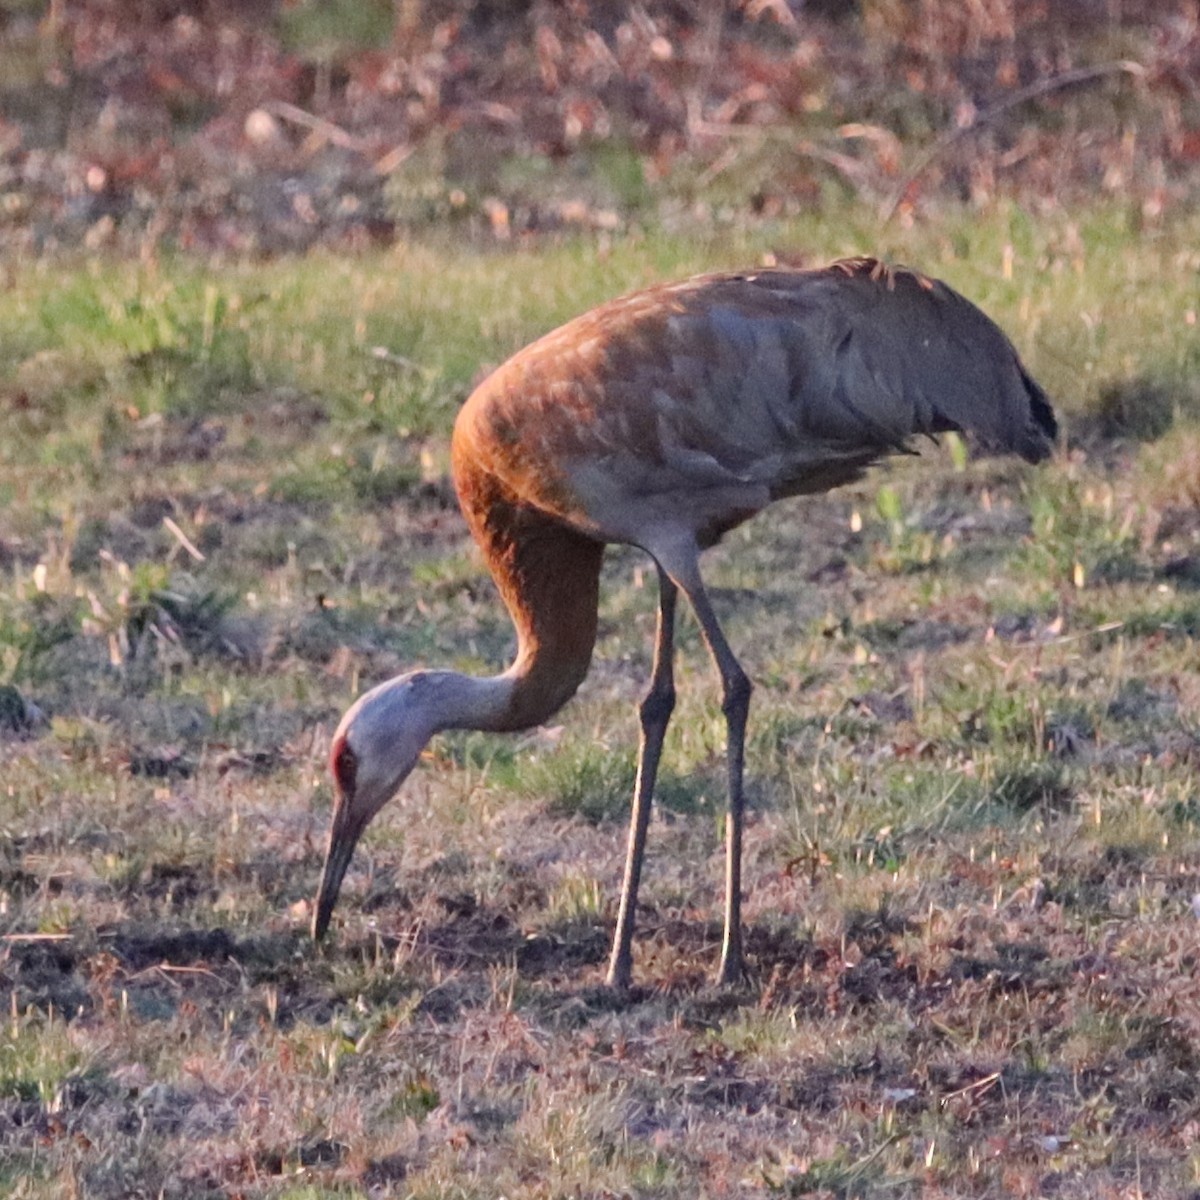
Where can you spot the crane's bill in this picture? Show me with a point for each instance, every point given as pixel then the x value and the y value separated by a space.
pixel 343 837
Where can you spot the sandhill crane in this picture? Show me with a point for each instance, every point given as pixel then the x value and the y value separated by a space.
pixel 663 420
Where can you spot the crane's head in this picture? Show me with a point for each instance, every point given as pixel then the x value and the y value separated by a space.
pixel 376 746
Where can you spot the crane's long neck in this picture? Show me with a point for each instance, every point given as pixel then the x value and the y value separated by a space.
pixel 452 700
pixel 548 576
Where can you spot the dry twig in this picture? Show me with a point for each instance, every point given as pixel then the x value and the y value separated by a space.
pixel 1053 84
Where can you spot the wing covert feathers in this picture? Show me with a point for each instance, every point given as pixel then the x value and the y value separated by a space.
pixel 727 390
pixel 905 355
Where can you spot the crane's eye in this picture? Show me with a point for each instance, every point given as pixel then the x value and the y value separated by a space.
pixel 344 765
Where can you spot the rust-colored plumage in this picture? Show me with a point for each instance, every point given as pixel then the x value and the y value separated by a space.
pixel 664 419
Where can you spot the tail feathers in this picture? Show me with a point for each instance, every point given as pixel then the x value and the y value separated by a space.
pixel 1023 423
pixel 954 366
pixel 880 354
pixel 1045 423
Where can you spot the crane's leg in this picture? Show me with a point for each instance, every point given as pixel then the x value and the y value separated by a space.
pixel 655 712
pixel 735 703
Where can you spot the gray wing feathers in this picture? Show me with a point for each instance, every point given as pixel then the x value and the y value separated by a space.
pixel 918 358
pixel 876 357
pixel 787 378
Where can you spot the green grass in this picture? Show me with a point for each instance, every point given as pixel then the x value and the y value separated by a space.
pixel 971 766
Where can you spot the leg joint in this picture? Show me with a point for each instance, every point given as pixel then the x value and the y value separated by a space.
pixel 657 705
pixel 736 697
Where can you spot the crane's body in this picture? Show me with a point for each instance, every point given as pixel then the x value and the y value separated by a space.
pixel 663 420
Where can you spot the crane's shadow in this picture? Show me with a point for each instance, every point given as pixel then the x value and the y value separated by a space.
pixel 474 957
pixel 560 967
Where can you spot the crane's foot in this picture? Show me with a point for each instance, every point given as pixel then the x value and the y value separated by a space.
pixel 732 974
pixel 619 981
pixel 620 971
pixel 732 971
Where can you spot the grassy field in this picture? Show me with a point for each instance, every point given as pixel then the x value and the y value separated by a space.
pixel 975 833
